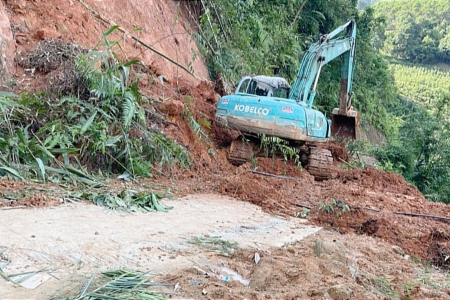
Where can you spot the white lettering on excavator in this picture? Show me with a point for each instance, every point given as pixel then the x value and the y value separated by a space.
pixel 252 109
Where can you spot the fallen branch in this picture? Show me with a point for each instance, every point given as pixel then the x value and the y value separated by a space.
pixel 274 175
pixel 301 205
pixel 409 214
pixel 348 164
pixel 98 15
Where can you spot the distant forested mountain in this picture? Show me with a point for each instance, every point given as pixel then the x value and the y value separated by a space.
pixel 416 30
pixel 364 3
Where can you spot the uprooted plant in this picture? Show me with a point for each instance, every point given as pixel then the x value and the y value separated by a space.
pixel 120 284
pixel 48 137
pixel 127 200
pixel 271 145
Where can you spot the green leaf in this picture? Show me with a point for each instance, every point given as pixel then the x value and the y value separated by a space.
pixel 41 167
pixel 45 151
pixel 77 172
pixel 111 142
pixel 7 102
pixel 64 150
pixel 88 123
pixel 110 30
pixel 12 172
pixel 132 62
pixel 7 94
pixel 55 170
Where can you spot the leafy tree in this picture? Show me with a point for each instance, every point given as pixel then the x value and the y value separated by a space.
pixel 416 30
pixel 420 151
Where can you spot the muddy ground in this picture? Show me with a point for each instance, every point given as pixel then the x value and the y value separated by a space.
pixel 364 213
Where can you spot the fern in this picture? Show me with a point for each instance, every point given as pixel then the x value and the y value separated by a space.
pixel 271 145
pixel 129 106
pixel 196 126
pixel 37 130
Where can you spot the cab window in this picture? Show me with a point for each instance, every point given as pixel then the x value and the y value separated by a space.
pixel 281 93
pixel 243 87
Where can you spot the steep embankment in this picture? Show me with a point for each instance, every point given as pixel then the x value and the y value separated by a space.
pixel 156 22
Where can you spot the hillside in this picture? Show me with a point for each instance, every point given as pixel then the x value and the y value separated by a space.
pixel 380 237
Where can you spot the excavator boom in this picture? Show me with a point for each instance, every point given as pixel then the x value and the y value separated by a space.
pixel 345 120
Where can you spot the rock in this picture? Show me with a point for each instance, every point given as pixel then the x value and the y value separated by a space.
pixel 46 34
pixel 172 108
pixel 315 293
pixel 7 47
pixel 340 292
pixel 398 250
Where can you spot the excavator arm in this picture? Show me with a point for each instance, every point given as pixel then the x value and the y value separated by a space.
pixel 329 47
pixel 321 53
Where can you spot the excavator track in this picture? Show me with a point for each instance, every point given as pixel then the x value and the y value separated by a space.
pixel 320 163
pixel 241 151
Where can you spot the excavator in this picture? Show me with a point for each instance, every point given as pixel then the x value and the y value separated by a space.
pixel 269 106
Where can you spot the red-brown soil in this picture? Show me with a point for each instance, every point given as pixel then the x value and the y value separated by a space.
pixel 372 196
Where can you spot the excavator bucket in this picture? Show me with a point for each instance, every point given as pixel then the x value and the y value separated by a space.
pixel 345 125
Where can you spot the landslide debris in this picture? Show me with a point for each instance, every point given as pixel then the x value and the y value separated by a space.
pixel 372 196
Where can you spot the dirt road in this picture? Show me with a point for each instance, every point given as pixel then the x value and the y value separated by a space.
pixel 72 241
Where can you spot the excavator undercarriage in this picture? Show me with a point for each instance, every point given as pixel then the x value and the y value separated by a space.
pixel 318 161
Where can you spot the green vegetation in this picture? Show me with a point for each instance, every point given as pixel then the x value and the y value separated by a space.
pixel 364 3
pixel 410 32
pixel 420 150
pixel 119 284
pixel 333 206
pixel 416 30
pixel 127 200
pixel 100 125
pixel 384 286
pixel 423 84
pixel 215 244
pixel 270 145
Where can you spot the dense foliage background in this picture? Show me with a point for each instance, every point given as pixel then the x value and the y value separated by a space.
pixel 416 30
pixel 407 102
pixel 269 37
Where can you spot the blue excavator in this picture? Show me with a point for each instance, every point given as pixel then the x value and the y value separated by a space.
pixel 269 106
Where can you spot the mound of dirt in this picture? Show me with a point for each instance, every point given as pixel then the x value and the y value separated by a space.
pixel 83 23
pixel 324 266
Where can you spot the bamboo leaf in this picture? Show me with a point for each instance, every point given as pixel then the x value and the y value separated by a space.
pixel 12 172
pixel 41 167
pixel 110 30
pixel 78 172
pixel 45 151
pixel 64 150
pixel 132 62
pixel 88 123
pixel 55 170
pixel 88 284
